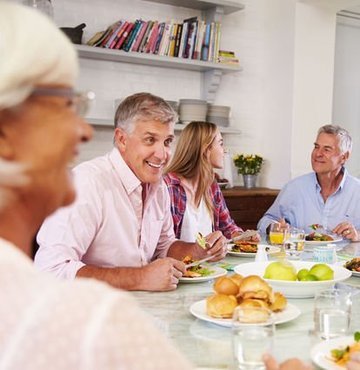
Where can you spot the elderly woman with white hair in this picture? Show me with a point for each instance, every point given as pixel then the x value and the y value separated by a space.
pixel 46 323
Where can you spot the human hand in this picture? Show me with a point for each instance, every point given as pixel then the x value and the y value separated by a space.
pixel 162 274
pixel 354 363
pixel 290 364
pixel 347 231
pixel 216 245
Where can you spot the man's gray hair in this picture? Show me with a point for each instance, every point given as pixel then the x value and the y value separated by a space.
pixel 145 107
pixel 345 140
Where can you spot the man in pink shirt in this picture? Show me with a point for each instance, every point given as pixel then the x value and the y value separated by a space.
pixel 120 228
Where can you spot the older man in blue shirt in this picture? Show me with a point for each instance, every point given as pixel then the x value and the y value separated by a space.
pixel 329 196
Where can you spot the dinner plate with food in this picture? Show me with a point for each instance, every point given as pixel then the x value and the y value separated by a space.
pixel 197 272
pixel 333 354
pixel 322 238
pixel 235 290
pixel 198 309
pixel 354 266
pixel 249 249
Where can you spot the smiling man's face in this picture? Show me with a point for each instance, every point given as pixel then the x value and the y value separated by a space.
pixel 147 149
pixel 326 156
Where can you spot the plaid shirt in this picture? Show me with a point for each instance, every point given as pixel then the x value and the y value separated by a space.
pixel 222 218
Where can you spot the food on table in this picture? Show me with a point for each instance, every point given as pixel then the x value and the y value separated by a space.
pixel 341 355
pixel 250 291
pixel 226 285
pixel 197 270
pixel 319 237
pixel 200 239
pixel 316 226
pixel 244 246
pixel 280 270
pixel 285 270
pixel 353 265
pixel 279 303
pixel 322 271
pixel 221 305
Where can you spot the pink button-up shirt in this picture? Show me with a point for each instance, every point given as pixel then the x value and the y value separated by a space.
pixel 106 226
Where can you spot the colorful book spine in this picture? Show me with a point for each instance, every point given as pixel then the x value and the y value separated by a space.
pixel 124 35
pixel 130 39
pixel 183 39
pixel 119 34
pixel 206 43
pixel 178 40
pixel 139 36
pixel 159 37
pixel 152 37
pixel 146 36
pixel 171 50
pixel 114 33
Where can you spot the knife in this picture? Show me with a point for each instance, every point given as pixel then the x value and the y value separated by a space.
pixel 196 263
pixel 245 235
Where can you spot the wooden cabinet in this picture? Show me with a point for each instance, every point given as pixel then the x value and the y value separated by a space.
pixel 247 206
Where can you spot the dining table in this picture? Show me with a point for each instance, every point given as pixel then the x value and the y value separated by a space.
pixel 209 346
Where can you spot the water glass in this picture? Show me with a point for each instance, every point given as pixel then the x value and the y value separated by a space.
pixel 294 243
pixel 253 332
pixel 332 313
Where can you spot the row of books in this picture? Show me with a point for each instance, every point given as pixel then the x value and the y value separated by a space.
pixel 192 39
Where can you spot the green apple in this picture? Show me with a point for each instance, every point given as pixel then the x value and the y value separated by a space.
pixel 302 274
pixel 281 270
pixel 309 277
pixel 322 271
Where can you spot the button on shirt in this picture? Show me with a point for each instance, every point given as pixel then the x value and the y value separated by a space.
pixel 108 225
pixel 301 204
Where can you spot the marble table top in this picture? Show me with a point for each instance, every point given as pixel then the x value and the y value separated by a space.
pixel 208 345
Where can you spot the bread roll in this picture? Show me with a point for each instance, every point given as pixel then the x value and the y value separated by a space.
pixel 255 287
pixel 221 305
pixel 226 285
pixel 279 303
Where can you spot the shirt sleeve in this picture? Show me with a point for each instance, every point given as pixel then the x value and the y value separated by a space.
pixel 226 224
pixel 65 237
pixel 281 208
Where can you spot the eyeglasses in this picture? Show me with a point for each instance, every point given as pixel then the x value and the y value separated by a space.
pixel 81 101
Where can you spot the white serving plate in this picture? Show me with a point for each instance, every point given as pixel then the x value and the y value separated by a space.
pixel 217 272
pixel 294 289
pixel 198 309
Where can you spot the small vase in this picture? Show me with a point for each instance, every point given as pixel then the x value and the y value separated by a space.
pixel 249 181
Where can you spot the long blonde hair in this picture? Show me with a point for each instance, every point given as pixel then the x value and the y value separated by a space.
pixel 191 158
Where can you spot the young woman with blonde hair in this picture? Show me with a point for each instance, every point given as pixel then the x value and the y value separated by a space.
pixel 197 203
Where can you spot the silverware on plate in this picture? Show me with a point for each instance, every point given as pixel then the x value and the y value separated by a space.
pixel 195 263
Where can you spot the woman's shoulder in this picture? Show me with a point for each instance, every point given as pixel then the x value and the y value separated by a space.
pixel 171 178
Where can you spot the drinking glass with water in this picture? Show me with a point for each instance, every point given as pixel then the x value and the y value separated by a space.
pixel 332 313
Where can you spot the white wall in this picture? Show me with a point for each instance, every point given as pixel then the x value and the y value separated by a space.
pixel 346 110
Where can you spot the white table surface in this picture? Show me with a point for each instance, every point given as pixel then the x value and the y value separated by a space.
pixel 207 345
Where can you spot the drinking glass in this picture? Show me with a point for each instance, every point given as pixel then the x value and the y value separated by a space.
pixel 332 313
pixel 294 243
pixel 253 332
pixel 277 233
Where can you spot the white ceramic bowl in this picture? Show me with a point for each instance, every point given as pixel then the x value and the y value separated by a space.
pixel 294 289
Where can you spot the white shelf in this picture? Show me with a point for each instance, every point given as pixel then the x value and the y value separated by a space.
pixel 204 5
pixel 178 127
pixel 90 52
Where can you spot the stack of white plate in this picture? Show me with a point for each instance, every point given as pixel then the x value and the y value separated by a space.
pixel 218 114
pixel 173 104
pixel 192 110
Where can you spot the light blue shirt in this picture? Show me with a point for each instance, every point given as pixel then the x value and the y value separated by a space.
pixel 301 204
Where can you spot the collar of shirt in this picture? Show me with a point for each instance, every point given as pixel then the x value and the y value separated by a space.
pixel 341 185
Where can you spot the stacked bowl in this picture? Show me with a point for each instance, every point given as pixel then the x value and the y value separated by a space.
pixel 192 110
pixel 218 114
